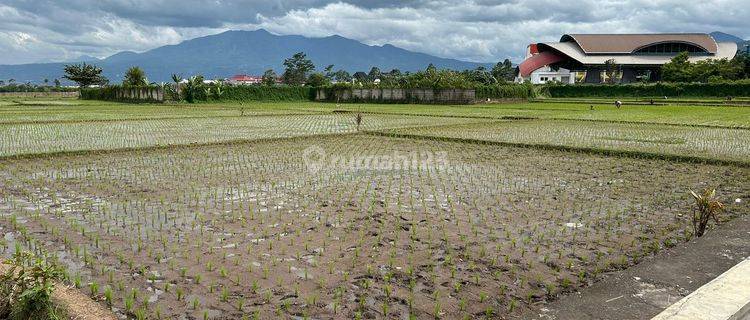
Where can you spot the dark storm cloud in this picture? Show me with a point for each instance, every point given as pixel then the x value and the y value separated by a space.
pixel 479 30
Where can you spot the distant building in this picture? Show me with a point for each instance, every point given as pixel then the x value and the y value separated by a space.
pixel 245 79
pixel 545 73
pixel 637 56
pixel 205 81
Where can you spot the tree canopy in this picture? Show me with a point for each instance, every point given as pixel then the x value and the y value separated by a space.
pixel 504 71
pixel 135 76
pixel 680 69
pixel 269 78
pixel 317 80
pixel 297 69
pixel 613 71
pixel 85 74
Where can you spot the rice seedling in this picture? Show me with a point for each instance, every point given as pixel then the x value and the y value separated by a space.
pixel 94 289
pixel 637 139
pixel 249 226
pixel 179 293
pixel 129 302
pixel 108 295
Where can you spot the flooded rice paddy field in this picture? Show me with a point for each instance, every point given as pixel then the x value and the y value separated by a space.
pixel 348 226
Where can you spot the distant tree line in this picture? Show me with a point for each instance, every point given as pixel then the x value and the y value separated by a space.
pixel 680 69
pixel 301 71
pixel 10 85
pixel 28 87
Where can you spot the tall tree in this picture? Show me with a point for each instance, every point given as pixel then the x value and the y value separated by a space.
pixel 269 78
pixel 480 75
pixel 317 79
pixel 715 70
pixel 374 74
pixel 84 74
pixel 297 69
pixel 135 76
pixel 329 73
pixel 742 59
pixel 342 76
pixel 431 69
pixel 503 71
pixel 612 70
pixel 678 69
pixel 57 82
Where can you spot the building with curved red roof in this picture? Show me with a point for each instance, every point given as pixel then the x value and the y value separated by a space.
pixel 636 56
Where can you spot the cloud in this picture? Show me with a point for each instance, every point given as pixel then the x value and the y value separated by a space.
pixel 477 30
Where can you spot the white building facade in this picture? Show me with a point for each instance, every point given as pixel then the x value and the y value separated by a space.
pixel 545 74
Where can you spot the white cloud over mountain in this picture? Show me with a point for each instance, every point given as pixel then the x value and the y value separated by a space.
pixel 475 30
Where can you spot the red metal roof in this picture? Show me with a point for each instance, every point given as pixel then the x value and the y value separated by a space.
pixel 533 49
pixel 244 77
pixel 537 61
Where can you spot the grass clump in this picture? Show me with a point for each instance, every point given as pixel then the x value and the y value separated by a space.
pixel 26 288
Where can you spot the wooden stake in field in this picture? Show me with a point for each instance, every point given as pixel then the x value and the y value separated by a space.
pixel 358 119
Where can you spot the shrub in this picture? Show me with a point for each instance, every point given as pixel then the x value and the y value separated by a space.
pixel 26 288
pixel 34 88
pixel 506 91
pixel 661 89
pixel 707 207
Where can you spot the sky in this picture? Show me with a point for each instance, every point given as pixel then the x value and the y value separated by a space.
pixel 473 30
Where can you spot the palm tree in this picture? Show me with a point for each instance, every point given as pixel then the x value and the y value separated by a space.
pixel 135 77
pixel 176 79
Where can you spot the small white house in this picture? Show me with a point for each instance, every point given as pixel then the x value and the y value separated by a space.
pixel 547 74
pixel 542 72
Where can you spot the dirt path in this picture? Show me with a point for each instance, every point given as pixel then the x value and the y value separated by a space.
pixel 642 291
pixel 79 306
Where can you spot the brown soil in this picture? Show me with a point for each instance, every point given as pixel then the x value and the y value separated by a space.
pixel 494 232
pixel 79 306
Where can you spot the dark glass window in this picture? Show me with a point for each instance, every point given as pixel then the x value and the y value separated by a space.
pixel 670 48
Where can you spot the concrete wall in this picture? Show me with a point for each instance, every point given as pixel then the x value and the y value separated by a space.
pixel 146 94
pixel 73 94
pixel 458 96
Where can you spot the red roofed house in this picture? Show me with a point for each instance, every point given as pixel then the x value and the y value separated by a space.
pixel 245 79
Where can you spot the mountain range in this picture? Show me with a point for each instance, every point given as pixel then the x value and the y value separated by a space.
pixel 252 52
pixel 244 52
pixel 725 37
